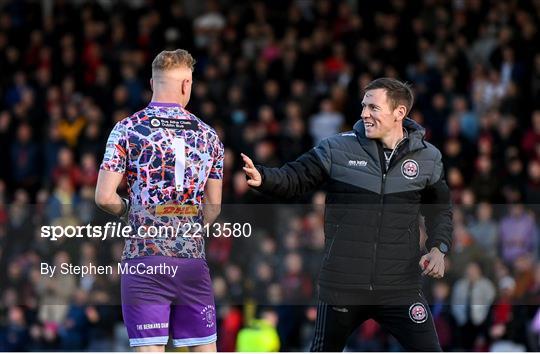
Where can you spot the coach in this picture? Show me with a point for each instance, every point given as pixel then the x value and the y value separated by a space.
pixel 380 177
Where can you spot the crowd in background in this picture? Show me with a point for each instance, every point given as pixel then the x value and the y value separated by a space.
pixel 273 78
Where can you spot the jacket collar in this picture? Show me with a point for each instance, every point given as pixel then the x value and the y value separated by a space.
pixel 416 135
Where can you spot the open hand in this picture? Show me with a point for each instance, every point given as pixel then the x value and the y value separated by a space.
pixel 254 176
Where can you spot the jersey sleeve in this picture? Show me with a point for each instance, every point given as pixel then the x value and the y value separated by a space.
pixel 115 157
pixel 216 171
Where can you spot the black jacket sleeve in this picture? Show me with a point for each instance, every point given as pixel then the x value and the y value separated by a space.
pixel 437 209
pixel 296 178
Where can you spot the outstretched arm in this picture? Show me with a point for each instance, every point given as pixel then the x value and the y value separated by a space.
pixel 294 178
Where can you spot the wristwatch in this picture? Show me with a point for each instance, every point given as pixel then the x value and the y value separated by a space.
pixel 443 247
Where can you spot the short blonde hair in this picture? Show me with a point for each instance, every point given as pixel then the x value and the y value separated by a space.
pixel 173 59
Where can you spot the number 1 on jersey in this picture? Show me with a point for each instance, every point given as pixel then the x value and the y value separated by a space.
pixel 179 149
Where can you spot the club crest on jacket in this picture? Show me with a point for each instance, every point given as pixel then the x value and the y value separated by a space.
pixel 410 169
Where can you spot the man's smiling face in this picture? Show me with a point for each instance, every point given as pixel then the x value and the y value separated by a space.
pixel 378 115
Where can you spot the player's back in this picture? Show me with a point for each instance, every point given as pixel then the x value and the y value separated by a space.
pixel 168 155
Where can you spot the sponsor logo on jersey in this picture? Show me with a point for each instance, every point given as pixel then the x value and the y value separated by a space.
pixel 410 169
pixel 172 123
pixel 177 210
pixel 418 313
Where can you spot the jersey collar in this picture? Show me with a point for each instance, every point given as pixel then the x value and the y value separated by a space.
pixel 164 104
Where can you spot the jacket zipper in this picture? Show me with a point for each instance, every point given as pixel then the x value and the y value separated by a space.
pixel 381 207
pixel 379 227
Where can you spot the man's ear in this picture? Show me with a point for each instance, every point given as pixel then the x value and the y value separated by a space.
pixel 185 87
pixel 152 84
pixel 400 112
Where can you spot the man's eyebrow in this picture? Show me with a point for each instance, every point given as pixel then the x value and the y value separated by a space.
pixel 370 104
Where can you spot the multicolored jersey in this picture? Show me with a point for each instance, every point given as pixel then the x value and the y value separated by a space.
pixel 168 154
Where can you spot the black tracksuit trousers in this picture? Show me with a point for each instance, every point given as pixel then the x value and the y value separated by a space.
pixel 403 313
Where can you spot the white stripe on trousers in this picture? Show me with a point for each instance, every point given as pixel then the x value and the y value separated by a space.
pixel 320 327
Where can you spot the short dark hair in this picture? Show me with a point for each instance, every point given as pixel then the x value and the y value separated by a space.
pixel 398 92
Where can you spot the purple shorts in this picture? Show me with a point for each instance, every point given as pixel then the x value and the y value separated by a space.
pixel 162 295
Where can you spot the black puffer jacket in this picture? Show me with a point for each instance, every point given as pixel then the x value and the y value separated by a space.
pixel 372 213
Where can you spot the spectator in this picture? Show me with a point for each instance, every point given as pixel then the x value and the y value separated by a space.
pixel 264 277
pixel 518 233
pixel 472 297
pixel 484 230
pixel 233 276
pixel 532 137
pixel 523 271
pixel 231 323
pixel 440 308
pixel 515 180
pixel 74 329
pixel 90 142
pixel 14 337
pixel 25 159
pixel 209 25
pixel 88 171
pixel 260 335
pixel 297 290
pixel 19 222
pixel 62 203
pixel 504 322
pixel 532 190
pixel 325 123
pixel 67 167
pixel 72 126
pixel 133 86
pixel 55 294
pixel 465 250
pixel 293 140
pixel 51 150
pixel 485 184
pixel 436 117
pixel 369 338
pixel 456 182
pixel 15 92
pixel 533 295
pixel 535 330
pixel 296 283
pixel 101 318
pixel 467 119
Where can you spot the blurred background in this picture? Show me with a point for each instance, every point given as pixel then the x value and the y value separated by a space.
pixel 273 78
